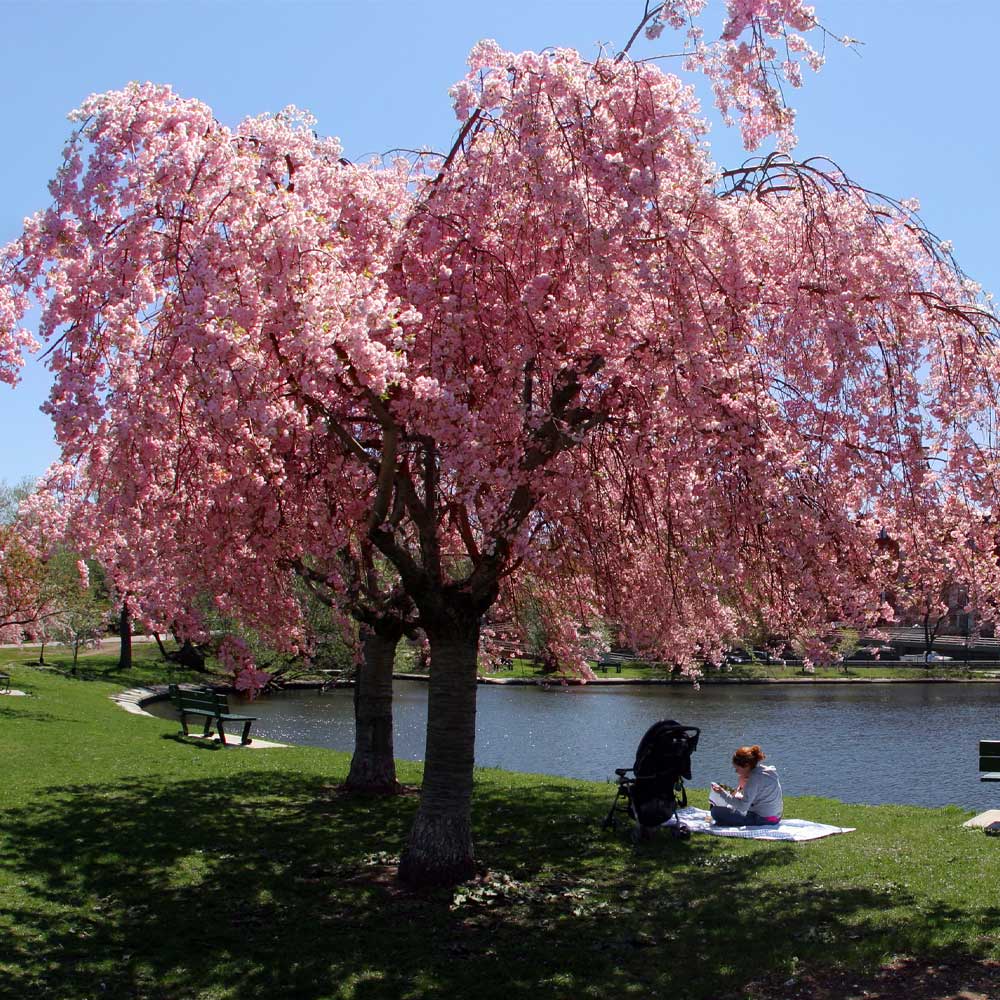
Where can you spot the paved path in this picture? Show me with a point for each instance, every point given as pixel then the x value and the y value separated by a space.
pixel 104 643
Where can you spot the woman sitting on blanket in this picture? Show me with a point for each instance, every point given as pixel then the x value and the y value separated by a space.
pixel 756 800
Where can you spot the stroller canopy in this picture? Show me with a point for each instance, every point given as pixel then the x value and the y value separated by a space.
pixel 666 750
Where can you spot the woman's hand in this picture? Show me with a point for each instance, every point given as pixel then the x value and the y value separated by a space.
pixel 716 787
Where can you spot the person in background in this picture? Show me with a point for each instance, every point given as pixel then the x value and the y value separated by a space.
pixel 756 800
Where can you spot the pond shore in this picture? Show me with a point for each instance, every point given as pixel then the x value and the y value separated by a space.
pixel 655 681
pixel 682 681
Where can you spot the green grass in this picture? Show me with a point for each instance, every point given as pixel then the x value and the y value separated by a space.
pixel 136 865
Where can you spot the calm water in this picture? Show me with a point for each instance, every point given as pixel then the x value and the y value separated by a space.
pixel 906 743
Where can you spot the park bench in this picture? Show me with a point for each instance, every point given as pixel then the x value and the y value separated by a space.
pixel 989 760
pixel 212 706
pixel 4 681
pixel 615 660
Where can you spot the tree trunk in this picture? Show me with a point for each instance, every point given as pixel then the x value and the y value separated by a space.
pixel 190 656
pixel 373 766
pixel 439 850
pixel 125 634
pixel 41 654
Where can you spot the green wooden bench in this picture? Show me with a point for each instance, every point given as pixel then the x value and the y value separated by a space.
pixel 4 681
pixel 211 705
pixel 989 760
pixel 609 659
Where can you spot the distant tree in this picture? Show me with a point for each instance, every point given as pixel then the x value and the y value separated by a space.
pixel 24 599
pixel 83 608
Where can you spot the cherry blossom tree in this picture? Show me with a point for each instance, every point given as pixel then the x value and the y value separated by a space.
pixel 572 349
pixel 22 586
pixel 43 584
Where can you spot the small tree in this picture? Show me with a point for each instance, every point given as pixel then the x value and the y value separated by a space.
pixel 82 618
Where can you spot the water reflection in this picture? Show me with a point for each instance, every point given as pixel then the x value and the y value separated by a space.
pixel 905 743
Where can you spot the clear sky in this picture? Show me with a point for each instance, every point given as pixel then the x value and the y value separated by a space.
pixel 911 113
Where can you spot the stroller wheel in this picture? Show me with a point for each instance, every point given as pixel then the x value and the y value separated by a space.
pixel 681 832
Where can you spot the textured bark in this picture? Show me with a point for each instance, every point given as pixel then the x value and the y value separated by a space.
pixel 373 766
pixel 439 850
pixel 125 634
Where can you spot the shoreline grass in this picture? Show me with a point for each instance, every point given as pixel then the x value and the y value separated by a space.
pixel 136 865
pixel 736 673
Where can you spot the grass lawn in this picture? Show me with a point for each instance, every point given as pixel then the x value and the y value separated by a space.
pixel 136 865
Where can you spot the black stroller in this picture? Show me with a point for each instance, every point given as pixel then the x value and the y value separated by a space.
pixel 662 762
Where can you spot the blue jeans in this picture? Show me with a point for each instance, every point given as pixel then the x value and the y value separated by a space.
pixel 725 816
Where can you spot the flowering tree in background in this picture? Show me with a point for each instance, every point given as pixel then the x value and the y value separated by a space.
pixel 80 616
pixel 22 573
pixel 45 588
pixel 22 586
pixel 571 349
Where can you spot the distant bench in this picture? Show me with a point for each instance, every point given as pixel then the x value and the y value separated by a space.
pixel 4 681
pixel 989 760
pixel 615 660
pixel 213 707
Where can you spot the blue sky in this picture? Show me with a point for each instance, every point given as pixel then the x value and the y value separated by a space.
pixel 911 114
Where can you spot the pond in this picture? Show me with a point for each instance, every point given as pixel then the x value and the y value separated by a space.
pixel 902 743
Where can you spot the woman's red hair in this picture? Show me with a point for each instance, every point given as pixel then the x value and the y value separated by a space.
pixel 749 755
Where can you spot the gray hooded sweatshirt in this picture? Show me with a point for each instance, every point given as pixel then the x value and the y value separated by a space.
pixel 761 794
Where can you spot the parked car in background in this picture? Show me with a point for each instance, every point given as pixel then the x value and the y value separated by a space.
pixel 875 652
pixel 766 656
pixel 740 654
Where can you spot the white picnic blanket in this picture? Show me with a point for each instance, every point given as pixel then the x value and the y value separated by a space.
pixel 700 821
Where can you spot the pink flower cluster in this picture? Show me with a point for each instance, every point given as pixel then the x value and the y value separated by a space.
pixel 236 658
pixel 743 65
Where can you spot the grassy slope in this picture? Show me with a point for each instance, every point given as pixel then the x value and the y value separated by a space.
pixel 135 865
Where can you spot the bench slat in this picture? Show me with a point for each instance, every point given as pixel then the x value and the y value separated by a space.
pixel 214 714
pixel 198 700
pixel 211 707
pixel 990 763
pixel 990 776
pixel 989 748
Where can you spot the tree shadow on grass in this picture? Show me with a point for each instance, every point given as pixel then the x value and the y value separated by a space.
pixel 274 884
pixel 32 714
